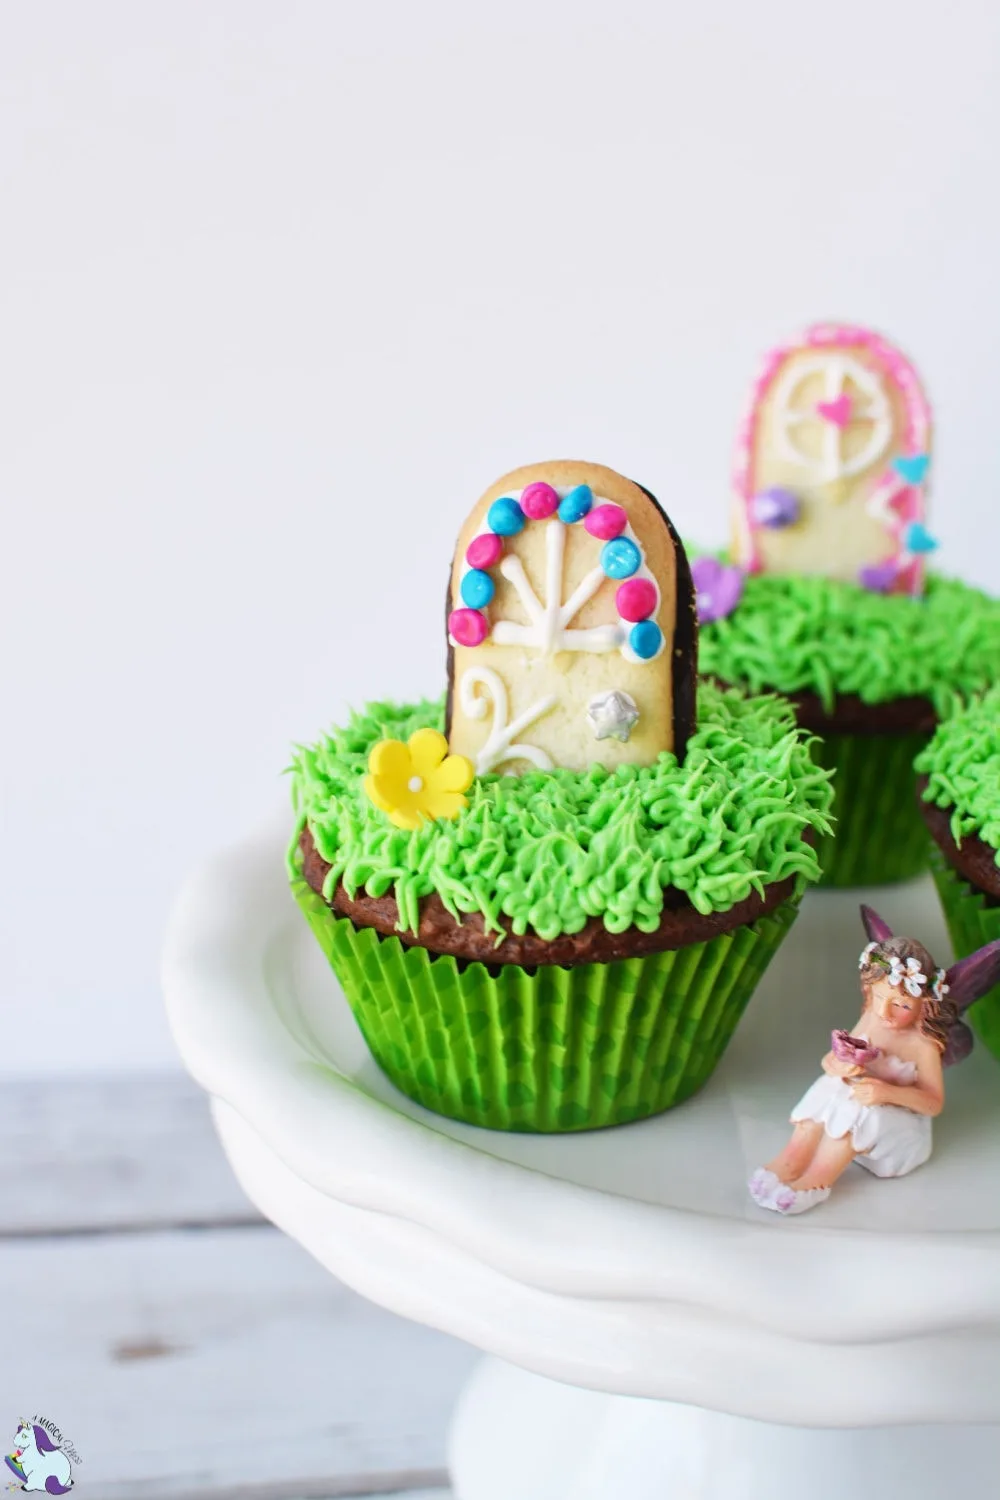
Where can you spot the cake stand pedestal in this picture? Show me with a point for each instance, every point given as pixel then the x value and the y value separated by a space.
pixel 652 1332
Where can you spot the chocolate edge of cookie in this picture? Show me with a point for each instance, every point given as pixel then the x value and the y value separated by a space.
pixel 685 643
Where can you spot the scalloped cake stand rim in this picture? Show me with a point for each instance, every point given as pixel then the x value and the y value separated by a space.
pixel 775 1297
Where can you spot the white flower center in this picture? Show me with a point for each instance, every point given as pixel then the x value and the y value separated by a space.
pixel 416 784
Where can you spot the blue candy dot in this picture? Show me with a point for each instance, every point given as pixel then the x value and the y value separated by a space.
pixel 645 639
pixel 620 558
pixel 505 517
pixel 478 588
pixel 575 505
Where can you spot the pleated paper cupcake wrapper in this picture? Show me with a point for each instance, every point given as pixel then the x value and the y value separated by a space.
pixel 550 1049
pixel 879 836
pixel 971 923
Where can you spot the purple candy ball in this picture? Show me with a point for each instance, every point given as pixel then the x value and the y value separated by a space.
pixel 774 508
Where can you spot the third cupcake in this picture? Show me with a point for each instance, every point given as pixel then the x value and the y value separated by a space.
pixel 958 777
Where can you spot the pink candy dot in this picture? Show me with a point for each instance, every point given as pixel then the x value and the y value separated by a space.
pixel 483 551
pixel 636 599
pixel 468 627
pixel 539 500
pixel 606 522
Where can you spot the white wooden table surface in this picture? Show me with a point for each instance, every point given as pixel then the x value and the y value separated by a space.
pixel 183 1346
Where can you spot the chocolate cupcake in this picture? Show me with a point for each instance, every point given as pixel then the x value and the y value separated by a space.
pixel 958 781
pixel 550 896
pixel 826 597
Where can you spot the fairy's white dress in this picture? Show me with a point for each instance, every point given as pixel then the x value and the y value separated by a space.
pixel 890 1140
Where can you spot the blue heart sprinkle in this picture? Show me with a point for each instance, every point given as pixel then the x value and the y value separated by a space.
pixel 912 469
pixel 919 539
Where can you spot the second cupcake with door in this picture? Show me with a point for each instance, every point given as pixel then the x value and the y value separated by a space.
pixel 826 595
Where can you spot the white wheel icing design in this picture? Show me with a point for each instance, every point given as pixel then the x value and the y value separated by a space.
pixel 836 368
pixel 550 630
pixel 499 745
pixel 550 623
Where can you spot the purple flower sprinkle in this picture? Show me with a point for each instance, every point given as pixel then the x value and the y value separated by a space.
pixel 879 578
pixel 718 588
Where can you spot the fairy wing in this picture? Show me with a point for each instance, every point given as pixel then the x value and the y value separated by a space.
pixel 969 978
pixel 959 1045
pixel 878 930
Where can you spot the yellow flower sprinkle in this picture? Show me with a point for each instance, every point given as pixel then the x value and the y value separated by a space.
pixel 418 780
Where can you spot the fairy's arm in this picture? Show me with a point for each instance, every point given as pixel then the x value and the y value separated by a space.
pixel 924 1097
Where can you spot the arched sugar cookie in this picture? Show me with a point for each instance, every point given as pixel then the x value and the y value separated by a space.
pixel 571 625
pixel 831 463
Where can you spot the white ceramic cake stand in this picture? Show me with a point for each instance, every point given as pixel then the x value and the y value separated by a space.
pixel 653 1333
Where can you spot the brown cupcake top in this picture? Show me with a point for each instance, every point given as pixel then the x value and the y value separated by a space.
pixel 568 867
pixel 850 714
pixel 974 859
pixel 439 932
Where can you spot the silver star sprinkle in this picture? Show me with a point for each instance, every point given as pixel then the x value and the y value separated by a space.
pixel 612 715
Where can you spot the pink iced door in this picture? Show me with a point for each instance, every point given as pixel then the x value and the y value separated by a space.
pixel 831 463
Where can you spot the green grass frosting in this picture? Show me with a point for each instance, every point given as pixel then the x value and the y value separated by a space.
pixel 795 634
pixel 962 764
pixel 549 850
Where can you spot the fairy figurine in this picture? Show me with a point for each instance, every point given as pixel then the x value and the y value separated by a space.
pixel 883 1083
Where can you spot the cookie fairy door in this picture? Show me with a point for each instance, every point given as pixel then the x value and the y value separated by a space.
pixel 831 462
pixel 570 625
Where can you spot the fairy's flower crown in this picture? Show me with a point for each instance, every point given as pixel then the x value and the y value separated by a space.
pixel 904 973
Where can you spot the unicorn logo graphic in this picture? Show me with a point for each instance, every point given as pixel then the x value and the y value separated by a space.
pixel 37 1462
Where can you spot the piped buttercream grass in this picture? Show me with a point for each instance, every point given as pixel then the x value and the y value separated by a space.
pixel 551 850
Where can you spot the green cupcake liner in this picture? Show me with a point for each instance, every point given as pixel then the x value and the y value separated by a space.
pixel 879 835
pixel 971 923
pixel 550 1049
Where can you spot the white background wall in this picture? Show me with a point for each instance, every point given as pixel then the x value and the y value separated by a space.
pixel 285 285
